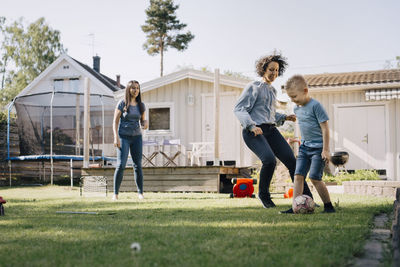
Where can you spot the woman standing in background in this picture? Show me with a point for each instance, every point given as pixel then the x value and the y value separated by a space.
pixel 128 116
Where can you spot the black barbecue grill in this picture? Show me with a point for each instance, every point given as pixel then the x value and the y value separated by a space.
pixel 339 159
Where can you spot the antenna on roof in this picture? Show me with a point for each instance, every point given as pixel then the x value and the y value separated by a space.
pixel 92 44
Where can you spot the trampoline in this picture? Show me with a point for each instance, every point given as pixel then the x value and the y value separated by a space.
pixel 50 125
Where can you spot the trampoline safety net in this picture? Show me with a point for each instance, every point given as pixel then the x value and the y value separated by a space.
pixel 34 123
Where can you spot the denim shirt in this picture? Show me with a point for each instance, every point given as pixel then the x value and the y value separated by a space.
pixel 257 105
pixel 129 123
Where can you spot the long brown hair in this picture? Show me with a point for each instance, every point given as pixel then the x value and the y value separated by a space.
pixel 128 96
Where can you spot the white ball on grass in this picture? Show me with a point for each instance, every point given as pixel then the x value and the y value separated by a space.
pixel 135 247
pixel 303 204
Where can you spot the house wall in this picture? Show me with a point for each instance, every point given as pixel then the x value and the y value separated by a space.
pixel 392 113
pixel 397 137
pixel 65 70
pixel 329 99
pixel 65 118
pixel 187 118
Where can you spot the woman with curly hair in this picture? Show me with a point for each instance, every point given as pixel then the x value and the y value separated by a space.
pixel 255 110
pixel 128 115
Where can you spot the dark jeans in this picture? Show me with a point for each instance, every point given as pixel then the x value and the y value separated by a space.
pixel 267 146
pixel 135 145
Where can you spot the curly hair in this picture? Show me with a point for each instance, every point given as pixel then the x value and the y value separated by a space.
pixel 262 64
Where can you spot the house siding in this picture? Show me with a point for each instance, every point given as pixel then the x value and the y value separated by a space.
pixel 187 125
pixel 187 118
pixel 329 99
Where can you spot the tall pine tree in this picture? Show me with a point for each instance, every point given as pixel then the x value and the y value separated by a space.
pixel 162 30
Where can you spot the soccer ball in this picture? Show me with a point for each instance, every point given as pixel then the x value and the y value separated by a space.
pixel 303 204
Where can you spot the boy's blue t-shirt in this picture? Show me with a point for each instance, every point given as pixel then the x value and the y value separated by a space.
pixel 129 123
pixel 309 117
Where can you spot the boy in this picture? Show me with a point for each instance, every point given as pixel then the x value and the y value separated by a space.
pixel 314 148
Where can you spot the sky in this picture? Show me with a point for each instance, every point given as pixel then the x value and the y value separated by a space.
pixel 316 36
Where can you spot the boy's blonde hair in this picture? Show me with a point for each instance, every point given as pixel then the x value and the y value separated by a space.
pixel 296 82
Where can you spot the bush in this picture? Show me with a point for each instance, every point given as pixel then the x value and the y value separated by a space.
pixel 358 175
pixel 3 120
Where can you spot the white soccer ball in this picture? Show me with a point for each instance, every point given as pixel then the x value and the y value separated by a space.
pixel 135 247
pixel 303 204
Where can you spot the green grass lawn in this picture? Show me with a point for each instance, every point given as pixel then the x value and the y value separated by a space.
pixel 177 229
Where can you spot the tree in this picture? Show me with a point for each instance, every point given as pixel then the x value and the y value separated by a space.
pixel 236 74
pixel 29 51
pixel 389 65
pixel 162 30
pixel 4 57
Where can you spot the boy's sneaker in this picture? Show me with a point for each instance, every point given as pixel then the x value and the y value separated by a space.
pixel 289 211
pixel 266 202
pixel 329 210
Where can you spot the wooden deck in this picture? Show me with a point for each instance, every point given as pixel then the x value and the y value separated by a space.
pixel 170 179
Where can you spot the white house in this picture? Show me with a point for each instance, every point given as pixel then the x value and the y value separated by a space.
pixel 180 106
pixel 54 100
pixel 364 111
pixel 66 74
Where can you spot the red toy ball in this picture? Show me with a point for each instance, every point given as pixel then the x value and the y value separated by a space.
pixel 243 187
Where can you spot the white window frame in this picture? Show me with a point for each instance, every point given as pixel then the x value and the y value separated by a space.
pixel 61 81
pixel 70 81
pixel 169 105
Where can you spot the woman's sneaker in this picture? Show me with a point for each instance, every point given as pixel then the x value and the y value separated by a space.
pixel 266 202
pixel 140 196
pixel 289 211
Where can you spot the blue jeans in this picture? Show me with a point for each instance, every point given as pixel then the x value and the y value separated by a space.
pixel 310 159
pixel 135 145
pixel 267 146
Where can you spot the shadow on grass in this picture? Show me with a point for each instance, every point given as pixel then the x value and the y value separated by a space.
pixel 180 231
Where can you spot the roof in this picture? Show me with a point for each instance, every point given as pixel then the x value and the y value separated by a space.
pixel 107 85
pixel 353 78
pixel 189 74
pixel 110 83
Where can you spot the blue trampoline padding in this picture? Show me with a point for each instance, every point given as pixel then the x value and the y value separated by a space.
pixel 55 157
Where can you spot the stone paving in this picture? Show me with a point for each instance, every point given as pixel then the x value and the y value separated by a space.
pixel 377 244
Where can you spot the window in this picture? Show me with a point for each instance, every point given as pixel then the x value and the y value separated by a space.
pixel 160 118
pixel 58 85
pixel 74 85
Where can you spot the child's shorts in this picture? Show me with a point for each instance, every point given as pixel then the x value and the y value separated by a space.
pixel 310 159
